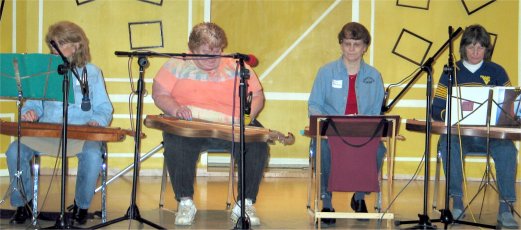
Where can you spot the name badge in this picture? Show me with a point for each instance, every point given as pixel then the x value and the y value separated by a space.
pixel 336 84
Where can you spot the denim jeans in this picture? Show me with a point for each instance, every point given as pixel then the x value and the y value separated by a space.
pixel 502 151
pixel 89 166
pixel 182 153
pixel 325 164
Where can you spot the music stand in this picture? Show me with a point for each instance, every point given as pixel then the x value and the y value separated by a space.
pixel 33 75
pixel 504 119
pixel 319 128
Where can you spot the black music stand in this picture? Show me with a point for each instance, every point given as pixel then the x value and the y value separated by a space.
pixel 366 126
pixel 503 119
pixel 33 75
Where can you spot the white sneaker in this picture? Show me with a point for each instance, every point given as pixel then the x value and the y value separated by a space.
pixel 185 212
pixel 250 212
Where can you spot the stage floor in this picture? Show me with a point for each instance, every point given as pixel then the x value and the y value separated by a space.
pixel 281 204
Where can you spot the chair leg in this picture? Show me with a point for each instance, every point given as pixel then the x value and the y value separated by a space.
pixel 104 184
pixel 231 179
pixel 36 178
pixel 436 183
pixel 310 181
pixel 163 186
pixel 378 203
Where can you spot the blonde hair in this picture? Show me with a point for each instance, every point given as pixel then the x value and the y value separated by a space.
pixel 67 32
pixel 207 33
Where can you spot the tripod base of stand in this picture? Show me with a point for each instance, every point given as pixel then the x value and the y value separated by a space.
pixel 63 222
pixel 243 223
pixel 46 216
pixel 446 218
pixel 132 214
pixel 424 222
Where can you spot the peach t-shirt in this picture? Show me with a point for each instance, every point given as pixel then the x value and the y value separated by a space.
pixel 202 90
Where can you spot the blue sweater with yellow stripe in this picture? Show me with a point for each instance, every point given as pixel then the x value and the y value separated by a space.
pixel 489 74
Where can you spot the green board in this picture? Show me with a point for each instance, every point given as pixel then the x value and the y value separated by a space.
pixel 39 77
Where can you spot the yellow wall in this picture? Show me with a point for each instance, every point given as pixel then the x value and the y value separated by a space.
pixel 270 30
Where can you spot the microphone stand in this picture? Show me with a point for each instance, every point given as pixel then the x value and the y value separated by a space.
pixel 243 222
pixel 446 216
pixel 133 210
pixel 63 69
pixel 424 221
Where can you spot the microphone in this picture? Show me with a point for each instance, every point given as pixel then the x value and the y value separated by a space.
pixel 84 83
pixel 249 59
pixel 55 46
pixel 252 60
pixel 85 101
pixel 386 97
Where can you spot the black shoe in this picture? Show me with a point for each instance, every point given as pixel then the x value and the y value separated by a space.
pixel 81 218
pixel 79 214
pixel 326 222
pixel 359 206
pixel 22 214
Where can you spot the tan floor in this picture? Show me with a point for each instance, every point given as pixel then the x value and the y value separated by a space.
pixel 281 204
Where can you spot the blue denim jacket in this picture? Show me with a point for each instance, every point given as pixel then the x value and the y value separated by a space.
pixel 101 107
pixel 329 92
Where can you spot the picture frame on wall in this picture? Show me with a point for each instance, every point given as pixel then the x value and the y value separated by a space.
pixel 147 34
pixel 155 2
pixel 417 4
pixel 409 46
pixel 474 6
pixel 81 2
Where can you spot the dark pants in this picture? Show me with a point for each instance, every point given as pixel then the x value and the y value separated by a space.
pixel 182 153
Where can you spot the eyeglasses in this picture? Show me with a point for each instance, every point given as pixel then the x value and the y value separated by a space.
pixel 475 47
pixel 353 43
pixel 214 51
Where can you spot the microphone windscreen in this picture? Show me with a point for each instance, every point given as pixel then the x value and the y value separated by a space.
pixel 85 104
pixel 252 60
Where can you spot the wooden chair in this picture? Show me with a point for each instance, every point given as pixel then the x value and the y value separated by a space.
pixel 314 131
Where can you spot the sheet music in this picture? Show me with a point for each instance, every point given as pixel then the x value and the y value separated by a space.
pixel 470 104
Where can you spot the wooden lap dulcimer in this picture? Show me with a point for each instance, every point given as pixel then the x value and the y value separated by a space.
pixel 437 127
pixel 80 132
pixel 199 128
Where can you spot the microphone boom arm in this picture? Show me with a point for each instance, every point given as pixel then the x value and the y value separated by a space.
pixel 427 66
pixel 241 56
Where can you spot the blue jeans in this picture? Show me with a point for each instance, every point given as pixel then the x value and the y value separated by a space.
pixel 503 152
pixel 325 164
pixel 89 166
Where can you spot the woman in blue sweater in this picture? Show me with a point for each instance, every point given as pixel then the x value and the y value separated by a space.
pixel 475 69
